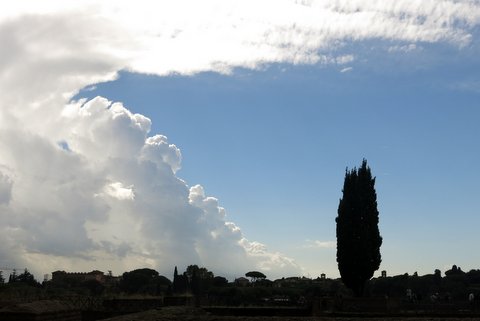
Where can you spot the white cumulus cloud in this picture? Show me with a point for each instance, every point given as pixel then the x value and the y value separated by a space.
pixel 119 191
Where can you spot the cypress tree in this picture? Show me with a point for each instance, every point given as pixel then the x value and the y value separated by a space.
pixel 358 236
pixel 175 280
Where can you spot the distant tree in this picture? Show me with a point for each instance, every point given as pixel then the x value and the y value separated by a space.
pixel 454 271
pixel 255 275
pixel 175 280
pixel 200 279
pixel 358 236
pixel 26 278
pixel 220 281
pixel 473 276
pixel 2 279
pixel 195 282
pixel 437 279
pixel 180 282
pixel 13 276
pixel 200 272
pixel 144 281
pixel 264 282
pixel 163 281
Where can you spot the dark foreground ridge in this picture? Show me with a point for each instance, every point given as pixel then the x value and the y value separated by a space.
pixel 152 309
pixel 182 313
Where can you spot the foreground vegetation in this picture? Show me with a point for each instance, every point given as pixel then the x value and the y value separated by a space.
pixel 455 285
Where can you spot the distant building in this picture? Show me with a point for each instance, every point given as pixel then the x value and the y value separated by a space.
pixel 78 277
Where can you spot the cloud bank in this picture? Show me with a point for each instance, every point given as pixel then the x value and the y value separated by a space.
pixel 108 197
pixel 84 184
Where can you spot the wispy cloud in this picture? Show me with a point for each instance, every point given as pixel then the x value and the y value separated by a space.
pixel 469 85
pixel 320 244
pixel 190 36
pixel 404 48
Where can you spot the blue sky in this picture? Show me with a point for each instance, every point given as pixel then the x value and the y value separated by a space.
pixel 154 134
pixel 273 146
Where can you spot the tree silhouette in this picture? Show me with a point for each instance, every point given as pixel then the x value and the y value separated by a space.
pixel 180 282
pixel 144 280
pixel 200 272
pixel 26 278
pixel 255 275
pixel 13 276
pixel 220 281
pixel 358 237
pixel 200 279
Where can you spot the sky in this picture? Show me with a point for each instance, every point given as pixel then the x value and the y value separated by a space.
pixel 217 133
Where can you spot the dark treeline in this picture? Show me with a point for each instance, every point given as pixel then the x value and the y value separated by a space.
pixel 455 285
pixel 199 282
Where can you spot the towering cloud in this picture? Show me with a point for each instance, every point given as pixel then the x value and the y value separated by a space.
pixel 107 197
pixel 84 184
